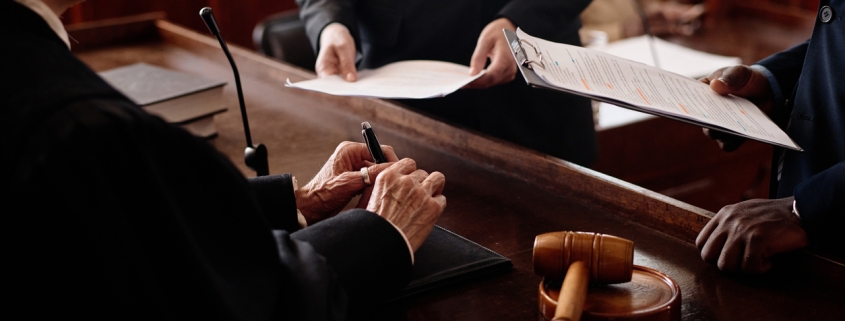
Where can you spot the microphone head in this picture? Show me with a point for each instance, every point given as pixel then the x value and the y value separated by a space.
pixel 208 17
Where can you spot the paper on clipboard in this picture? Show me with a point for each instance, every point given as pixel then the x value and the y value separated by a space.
pixel 640 87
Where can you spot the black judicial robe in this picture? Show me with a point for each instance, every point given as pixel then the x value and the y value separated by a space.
pixel 112 213
pixel 812 76
pixel 387 31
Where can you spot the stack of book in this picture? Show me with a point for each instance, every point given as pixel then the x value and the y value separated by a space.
pixel 186 100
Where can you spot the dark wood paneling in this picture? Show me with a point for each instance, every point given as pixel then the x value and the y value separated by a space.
pixel 236 18
pixel 784 11
pixel 500 195
pixel 677 160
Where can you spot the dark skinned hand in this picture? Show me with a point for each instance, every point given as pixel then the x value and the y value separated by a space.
pixel 743 237
pixel 741 81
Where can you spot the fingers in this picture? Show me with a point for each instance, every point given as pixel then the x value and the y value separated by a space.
pixel 502 69
pixel 405 166
pixel 479 56
pixel 732 80
pixel 337 53
pixel 389 153
pixel 492 44
pixel 727 142
pixel 713 75
pixel 746 235
pixel 418 176
pixel 712 249
pixel 732 254
pixel 346 57
pixel 435 183
pixel 705 233
pixel 357 155
pixel 753 261
pixel 377 169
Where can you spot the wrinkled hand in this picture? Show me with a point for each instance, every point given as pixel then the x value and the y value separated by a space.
pixel 339 181
pixel 492 44
pixel 744 236
pixel 337 53
pixel 409 198
pixel 744 82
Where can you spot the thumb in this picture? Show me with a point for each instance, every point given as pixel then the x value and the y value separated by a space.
pixel 732 81
pixel 479 56
pixel 347 64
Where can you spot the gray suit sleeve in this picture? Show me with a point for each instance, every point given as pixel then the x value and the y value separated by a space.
pixel 317 14
pixel 545 18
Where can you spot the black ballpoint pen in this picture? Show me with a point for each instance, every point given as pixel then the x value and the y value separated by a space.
pixel 372 143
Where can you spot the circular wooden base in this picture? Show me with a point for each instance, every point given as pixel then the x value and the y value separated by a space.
pixel 651 295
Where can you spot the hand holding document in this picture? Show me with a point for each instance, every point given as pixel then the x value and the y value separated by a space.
pixel 640 87
pixel 414 79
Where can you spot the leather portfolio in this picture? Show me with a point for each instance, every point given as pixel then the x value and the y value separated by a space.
pixel 447 258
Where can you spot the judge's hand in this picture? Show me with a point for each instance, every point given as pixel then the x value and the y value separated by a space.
pixel 340 180
pixel 744 82
pixel 492 44
pixel 744 236
pixel 337 53
pixel 409 198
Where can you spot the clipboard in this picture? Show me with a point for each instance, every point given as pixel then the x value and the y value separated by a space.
pixel 528 58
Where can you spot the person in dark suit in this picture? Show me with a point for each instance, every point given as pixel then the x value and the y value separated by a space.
pixel 113 213
pixel 808 188
pixel 463 32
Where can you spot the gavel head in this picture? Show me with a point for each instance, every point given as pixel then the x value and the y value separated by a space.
pixel 609 259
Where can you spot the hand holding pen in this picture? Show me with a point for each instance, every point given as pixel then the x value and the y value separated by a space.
pixel 409 198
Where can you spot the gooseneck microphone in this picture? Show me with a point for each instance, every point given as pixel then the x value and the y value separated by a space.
pixel 254 156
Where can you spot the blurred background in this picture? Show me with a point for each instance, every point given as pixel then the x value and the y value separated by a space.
pixel 663 155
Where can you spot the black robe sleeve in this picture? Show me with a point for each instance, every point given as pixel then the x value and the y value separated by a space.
pixel 121 215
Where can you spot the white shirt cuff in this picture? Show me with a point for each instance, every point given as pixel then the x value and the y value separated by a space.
pixel 408 243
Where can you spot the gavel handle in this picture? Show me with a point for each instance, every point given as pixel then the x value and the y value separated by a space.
pixel 573 292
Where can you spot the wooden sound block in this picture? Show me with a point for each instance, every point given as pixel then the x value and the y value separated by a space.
pixel 651 295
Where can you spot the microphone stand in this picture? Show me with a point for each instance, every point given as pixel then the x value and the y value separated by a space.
pixel 255 157
pixel 647 30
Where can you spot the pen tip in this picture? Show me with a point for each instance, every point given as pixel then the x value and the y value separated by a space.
pixel 366 125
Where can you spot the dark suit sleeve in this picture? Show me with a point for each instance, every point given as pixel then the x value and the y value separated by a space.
pixel 548 19
pixel 129 217
pixel 786 67
pixel 317 14
pixel 277 201
pixel 820 200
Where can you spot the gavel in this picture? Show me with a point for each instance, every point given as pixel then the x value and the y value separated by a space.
pixel 581 258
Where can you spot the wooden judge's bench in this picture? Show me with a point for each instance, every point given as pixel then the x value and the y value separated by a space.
pixel 500 195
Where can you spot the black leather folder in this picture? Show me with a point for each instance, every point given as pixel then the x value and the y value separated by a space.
pixel 447 258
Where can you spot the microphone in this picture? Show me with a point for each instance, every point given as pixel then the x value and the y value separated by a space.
pixel 255 157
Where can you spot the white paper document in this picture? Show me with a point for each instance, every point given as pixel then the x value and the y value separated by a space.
pixel 645 88
pixel 672 57
pixel 405 79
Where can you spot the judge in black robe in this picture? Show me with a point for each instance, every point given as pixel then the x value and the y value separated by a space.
pixel 113 213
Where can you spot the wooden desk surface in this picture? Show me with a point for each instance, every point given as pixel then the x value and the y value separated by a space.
pixel 499 195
